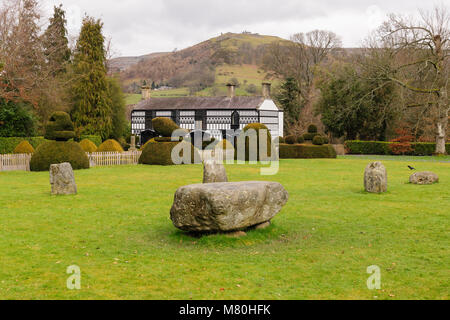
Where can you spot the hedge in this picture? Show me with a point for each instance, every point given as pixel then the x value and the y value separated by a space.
pixel 7 145
pixel 302 151
pixel 382 148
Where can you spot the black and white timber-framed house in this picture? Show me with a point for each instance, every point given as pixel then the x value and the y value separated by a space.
pixel 214 115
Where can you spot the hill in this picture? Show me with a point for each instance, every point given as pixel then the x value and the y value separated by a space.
pixel 204 68
pixel 123 63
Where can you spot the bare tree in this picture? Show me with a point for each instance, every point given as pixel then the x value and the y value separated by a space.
pixel 298 58
pixel 419 51
pixel 33 66
pixel 20 50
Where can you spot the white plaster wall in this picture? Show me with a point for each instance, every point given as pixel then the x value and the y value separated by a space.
pixel 281 123
pixel 269 105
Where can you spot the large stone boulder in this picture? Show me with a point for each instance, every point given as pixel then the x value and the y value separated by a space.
pixel 62 179
pixel 226 206
pixel 425 177
pixel 214 171
pixel 375 178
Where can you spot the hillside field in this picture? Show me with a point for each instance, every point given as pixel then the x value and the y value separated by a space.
pixel 245 74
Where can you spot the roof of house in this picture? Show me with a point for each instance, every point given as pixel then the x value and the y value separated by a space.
pixel 196 103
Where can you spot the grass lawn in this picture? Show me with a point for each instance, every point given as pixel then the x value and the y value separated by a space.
pixel 118 231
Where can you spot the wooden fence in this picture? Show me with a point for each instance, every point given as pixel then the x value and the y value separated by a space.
pixel 21 162
pixel 13 162
pixel 97 159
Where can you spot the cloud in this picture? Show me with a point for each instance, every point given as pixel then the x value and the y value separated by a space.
pixel 139 27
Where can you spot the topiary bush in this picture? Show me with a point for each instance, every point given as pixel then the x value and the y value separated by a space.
pixel 88 146
pixel 24 147
pixel 110 145
pixel 312 128
pixel 290 139
pixel 59 127
pixel 164 126
pixel 165 139
pixel 60 150
pixel 309 136
pixel 160 153
pixel 318 140
pixel 302 151
pixel 224 144
pixel 97 140
pixel 54 152
pixel 257 127
pixel 281 140
pixel 149 141
pixel 300 139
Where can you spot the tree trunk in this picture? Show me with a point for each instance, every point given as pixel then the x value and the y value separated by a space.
pixel 441 125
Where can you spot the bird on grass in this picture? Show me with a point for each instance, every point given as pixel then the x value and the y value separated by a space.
pixel 411 168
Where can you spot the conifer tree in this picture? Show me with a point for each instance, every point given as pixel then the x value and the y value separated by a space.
pixel 118 106
pixel 289 98
pixel 55 42
pixel 91 110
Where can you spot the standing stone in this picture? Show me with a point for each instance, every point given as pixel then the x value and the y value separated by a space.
pixel 226 206
pixel 425 177
pixel 132 144
pixel 375 178
pixel 340 149
pixel 214 172
pixel 62 179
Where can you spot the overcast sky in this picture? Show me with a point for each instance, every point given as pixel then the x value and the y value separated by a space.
pixel 138 27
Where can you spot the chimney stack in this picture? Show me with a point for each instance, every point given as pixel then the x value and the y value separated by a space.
pixel 231 90
pixel 266 90
pixel 145 92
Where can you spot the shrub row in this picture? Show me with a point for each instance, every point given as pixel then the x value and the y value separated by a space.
pixel 382 148
pixel 301 151
pixel 7 145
